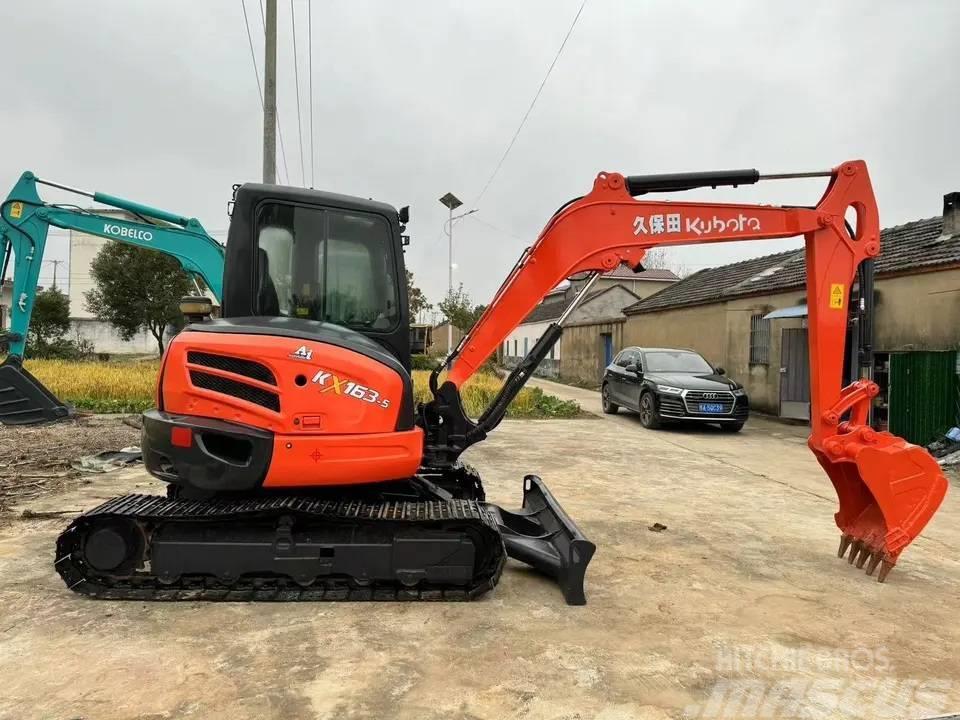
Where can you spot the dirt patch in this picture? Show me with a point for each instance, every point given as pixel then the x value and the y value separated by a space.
pixel 35 460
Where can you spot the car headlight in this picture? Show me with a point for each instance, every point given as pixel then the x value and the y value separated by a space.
pixel 669 390
pixel 739 392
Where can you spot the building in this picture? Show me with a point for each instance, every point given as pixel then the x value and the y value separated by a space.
pixel 6 302
pixel 439 346
pixel 750 318
pixel 83 324
pixel 103 336
pixel 610 293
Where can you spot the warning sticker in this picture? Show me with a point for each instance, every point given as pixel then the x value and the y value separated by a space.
pixel 836 296
pixel 16 210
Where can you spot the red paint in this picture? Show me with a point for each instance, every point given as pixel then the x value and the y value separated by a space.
pixel 181 437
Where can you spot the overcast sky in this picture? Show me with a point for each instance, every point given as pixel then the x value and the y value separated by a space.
pixel 158 102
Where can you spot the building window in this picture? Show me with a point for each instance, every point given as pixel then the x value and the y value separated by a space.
pixel 759 340
pixel 525 341
pixel 514 347
pixel 551 352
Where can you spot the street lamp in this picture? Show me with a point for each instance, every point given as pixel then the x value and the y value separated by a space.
pixel 451 202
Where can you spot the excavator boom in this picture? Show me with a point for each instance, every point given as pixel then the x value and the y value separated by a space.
pixel 888 489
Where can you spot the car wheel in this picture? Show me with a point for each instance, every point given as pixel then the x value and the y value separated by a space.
pixel 649 417
pixel 608 407
pixel 731 427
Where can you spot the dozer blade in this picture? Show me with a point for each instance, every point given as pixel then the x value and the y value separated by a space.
pixel 888 491
pixel 541 535
pixel 24 400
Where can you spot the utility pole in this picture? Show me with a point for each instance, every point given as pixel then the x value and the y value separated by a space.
pixel 270 95
pixel 56 264
pixel 452 202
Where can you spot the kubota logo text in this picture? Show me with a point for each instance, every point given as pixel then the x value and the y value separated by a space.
pixel 673 223
pixel 125 232
pixel 329 382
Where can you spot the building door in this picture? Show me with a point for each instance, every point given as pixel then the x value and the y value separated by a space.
pixel 794 374
pixel 607 340
pixel 923 394
pixel 606 343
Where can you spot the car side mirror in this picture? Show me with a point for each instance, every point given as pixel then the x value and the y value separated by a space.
pixel 634 368
pixel 721 371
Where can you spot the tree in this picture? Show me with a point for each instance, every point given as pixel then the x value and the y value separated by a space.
pixel 660 258
pixel 458 310
pixel 51 317
pixel 415 297
pixel 656 258
pixel 137 289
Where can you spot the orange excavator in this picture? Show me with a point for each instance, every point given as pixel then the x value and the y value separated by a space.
pixel 299 467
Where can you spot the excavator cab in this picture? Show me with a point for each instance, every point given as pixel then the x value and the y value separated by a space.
pixel 309 255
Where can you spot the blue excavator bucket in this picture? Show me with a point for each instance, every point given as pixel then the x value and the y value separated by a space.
pixel 24 400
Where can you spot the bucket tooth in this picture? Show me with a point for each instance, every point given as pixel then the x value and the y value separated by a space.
pixel 854 551
pixel 885 567
pixel 874 561
pixel 845 541
pixel 864 554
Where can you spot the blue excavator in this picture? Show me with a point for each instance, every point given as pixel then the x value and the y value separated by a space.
pixel 25 220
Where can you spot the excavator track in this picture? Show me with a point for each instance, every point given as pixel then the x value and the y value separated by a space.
pixel 281 548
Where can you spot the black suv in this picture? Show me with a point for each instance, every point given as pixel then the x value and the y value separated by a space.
pixel 665 384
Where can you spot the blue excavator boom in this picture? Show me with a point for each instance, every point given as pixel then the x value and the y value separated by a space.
pixel 25 220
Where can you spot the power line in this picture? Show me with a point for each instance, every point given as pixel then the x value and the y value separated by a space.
pixel 296 80
pixel 310 75
pixel 497 229
pixel 532 103
pixel 256 75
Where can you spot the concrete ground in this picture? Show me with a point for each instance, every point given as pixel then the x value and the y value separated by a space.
pixel 734 609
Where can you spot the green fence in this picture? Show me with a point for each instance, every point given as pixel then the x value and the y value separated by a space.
pixel 924 394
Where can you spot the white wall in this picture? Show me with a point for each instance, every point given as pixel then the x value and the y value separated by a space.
pixel 106 340
pixel 531 332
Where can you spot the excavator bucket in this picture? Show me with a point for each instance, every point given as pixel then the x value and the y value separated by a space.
pixel 24 400
pixel 888 491
pixel 543 536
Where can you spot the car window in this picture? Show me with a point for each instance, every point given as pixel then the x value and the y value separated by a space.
pixel 682 361
pixel 626 357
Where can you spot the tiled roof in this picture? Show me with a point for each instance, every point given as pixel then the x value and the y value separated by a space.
pixel 555 302
pixel 552 309
pixel 548 310
pixel 911 246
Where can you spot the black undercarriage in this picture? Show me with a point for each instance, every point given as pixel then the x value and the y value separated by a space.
pixel 429 538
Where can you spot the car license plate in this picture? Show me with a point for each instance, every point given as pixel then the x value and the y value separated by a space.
pixel 711 408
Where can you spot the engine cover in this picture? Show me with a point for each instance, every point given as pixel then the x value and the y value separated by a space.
pixel 336 408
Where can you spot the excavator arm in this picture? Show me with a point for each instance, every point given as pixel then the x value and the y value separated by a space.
pixel 25 220
pixel 888 489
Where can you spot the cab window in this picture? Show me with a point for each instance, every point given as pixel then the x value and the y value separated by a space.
pixel 329 265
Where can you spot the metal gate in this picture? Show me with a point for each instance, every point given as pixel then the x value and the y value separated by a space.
pixel 923 394
pixel 794 374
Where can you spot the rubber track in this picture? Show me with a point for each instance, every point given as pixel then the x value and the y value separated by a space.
pixel 149 511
